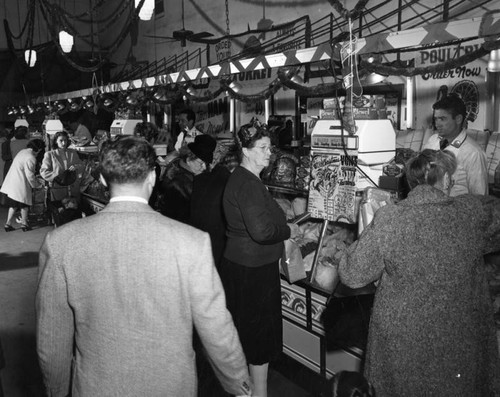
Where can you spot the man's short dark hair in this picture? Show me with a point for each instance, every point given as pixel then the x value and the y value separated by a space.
pixel 452 103
pixel 128 159
pixel 190 115
pixel 21 132
pixel 36 145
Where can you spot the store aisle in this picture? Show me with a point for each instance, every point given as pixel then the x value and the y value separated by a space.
pixel 18 273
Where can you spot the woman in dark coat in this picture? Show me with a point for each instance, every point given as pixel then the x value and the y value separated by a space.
pixel 432 330
pixel 177 185
pixel 256 229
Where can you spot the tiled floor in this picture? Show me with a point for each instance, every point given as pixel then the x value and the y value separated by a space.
pixel 21 376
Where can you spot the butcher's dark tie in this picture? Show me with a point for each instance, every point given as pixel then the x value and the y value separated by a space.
pixel 443 144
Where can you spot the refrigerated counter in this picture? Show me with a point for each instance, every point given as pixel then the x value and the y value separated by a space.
pixel 304 336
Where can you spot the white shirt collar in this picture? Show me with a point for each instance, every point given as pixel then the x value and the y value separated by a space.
pixel 128 198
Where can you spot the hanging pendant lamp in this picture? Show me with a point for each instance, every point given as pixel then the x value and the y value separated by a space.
pixel 30 57
pixel 494 61
pixel 147 9
pixel 65 41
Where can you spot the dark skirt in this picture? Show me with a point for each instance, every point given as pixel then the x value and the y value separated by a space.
pixel 11 203
pixel 253 296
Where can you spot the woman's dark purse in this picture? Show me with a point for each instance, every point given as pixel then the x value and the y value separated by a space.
pixel 346 320
pixel 66 178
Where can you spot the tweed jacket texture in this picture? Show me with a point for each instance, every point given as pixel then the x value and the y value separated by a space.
pixel 20 180
pixel 119 305
pixel 431 330
pixel 54 163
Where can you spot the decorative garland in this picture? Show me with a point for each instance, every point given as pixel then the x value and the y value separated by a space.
pixel 208 96
pixel 274 87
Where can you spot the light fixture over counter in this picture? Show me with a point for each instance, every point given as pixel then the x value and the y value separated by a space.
pixel 65 41
pixel 147 9
pixel 30 57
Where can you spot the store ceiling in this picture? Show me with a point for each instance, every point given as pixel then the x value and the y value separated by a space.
pixel 56 75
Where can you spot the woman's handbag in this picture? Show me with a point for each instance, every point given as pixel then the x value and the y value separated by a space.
pixel 292 263
pixel 66 178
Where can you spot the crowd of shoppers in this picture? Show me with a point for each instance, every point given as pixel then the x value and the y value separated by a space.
pixel 123 324
pixel 216 295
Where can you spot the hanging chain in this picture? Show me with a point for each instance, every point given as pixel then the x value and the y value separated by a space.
pixel 227 18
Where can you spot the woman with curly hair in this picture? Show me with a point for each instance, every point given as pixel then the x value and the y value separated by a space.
pixel 256 229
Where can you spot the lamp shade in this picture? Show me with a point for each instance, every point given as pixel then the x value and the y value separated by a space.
pixel 494 62
pixel 297 79
pixel 374 78
pixel 21 122
pixel 147 9
pixel 65 41
pixel 30 57
pixel 235 86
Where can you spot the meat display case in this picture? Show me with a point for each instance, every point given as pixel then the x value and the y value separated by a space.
pixel 304 337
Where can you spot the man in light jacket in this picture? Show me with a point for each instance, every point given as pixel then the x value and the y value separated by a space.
pixel 119 292
pixel 471 175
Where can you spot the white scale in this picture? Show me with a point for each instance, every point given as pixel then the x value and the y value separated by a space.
pixel 123 126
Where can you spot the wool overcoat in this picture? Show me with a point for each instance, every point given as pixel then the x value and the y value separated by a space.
pixel 431 331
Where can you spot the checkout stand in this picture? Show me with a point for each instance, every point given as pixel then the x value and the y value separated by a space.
pixel 305 338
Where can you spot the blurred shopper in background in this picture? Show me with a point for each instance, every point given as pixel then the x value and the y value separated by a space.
pixel 177 184
pixel 19 183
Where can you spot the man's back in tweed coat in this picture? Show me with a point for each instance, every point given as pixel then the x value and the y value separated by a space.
pixel 118 295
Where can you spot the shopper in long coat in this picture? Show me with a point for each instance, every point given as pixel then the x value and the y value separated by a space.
pixel 19 182
pixel 432 330
pixel 60 160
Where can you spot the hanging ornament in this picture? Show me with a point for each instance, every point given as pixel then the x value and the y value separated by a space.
pixel 147 9
pixel 65 41
pixel 30 57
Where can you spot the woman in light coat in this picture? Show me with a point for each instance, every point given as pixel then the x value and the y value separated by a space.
pixel 19 182
pixel 58 162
